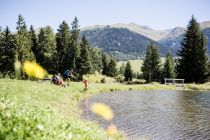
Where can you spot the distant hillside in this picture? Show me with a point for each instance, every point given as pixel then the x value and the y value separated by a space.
pixel 174 33
pixel 205 24
pixel 143 30
pixel 129 41
pixel 173 39
pixel 122 43
pixel 207 34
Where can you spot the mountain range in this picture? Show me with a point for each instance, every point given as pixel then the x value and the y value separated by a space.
pixel 129 41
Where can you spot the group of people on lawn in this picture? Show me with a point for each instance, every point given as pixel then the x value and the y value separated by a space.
pixel 67 76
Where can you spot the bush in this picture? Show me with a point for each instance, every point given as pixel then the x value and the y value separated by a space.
pixel 103 80
pixel 119 79
pixel 135 82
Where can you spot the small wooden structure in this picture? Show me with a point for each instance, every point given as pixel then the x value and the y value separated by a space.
pixel 177 82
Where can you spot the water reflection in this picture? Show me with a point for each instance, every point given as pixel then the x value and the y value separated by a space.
pixel 156 114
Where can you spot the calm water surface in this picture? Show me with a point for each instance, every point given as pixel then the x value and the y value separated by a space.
pixel 158 115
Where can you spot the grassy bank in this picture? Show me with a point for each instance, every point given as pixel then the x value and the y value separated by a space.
pixel 205 86
pixel 32 110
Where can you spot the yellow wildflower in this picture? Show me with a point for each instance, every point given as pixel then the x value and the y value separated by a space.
pixel 33 69
pixel 102 110
pixel 111 130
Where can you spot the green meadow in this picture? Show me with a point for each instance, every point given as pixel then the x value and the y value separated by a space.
pixel 41 110
pixel 136 64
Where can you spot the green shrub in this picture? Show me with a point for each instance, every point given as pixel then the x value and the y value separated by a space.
pixel 135 82
pixel 103 80
pixel 119 79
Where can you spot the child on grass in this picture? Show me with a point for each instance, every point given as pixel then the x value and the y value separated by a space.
pixel 86 86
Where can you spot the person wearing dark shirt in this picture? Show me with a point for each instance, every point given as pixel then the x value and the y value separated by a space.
pixel 67 75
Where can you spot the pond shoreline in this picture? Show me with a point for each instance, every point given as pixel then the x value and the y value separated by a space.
pixel 143 87
pixel 161 114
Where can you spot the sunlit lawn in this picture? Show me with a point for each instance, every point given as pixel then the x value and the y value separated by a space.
pixel 40 110
pixel 135 64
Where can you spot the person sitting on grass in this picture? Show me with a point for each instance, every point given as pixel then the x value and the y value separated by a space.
pixel 67 75
pixel 56 79
pixel 86 86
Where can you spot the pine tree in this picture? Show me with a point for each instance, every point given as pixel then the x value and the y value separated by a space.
pixel 122 69
pixel 7 53
pixel 63 37
pixel 112 68
pixel 84 63
pixel 1 35
pixel 151 64
pixel 23 42
pixel 105 62
pixel 168 70
pixel 192 59
pixel 96 59
pixel 208 72
pixel 0 32
pixel 109 66
pixel 33 39
pixel 1 52
pixel 128 72
pixel 46 49
pixel 138 75
pixel 73 51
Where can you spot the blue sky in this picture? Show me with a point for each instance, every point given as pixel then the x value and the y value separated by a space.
pixel 157 14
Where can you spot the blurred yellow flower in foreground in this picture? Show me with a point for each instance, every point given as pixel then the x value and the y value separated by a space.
pixel 111 130
pixel 33 69
pixel 102 110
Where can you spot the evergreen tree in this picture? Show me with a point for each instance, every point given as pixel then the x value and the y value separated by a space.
pixel 7 53
pixel 138 75
pixel 73 51
pixel 112 68
pixel 33 39
pixel 23 42
pixel 1 51
pixel 63 37
pixel 105 62
pixel 46 49
pixel 1 35
pixel 151 64
pixel 168 70
pixel 122 69
pixel 84 63
pixel 192 59
pixel 96 59
pixel 0 32
pixel 208 71
pixel 128 72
